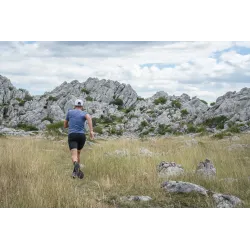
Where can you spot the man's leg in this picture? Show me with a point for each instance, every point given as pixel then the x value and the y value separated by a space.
pixel 74 155
pixel 78 156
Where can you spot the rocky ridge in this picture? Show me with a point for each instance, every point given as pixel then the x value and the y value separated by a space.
pixel 116 109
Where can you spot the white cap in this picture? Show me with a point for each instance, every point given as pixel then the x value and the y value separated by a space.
pixel 79 103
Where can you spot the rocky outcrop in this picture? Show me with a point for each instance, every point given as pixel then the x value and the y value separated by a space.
pixel 117 107
pixel 226 201
pixel 169 169
pixel 206 169
pixel 183 187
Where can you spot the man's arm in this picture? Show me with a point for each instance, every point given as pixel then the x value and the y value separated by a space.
pixel 66 124
pixel 89 119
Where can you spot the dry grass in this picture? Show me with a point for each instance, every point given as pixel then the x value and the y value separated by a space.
pixel 36 172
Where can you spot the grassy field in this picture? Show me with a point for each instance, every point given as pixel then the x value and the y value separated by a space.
pixel 37 172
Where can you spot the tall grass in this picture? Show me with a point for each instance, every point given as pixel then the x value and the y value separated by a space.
pixel 36 172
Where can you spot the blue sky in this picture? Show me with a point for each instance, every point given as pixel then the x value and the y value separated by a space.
pixel 203 69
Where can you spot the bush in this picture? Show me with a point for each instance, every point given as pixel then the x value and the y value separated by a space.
pixel 28 97
pixel 21 103
pixel 184 112
pixel 176 104
pixel 118 102
pixel 98 130
pixel 163 129
pixel 203 101
pixel 212 103
pixel 140 98
pixel 52 98
pixel 218 121
pixel 234 129
pixel 221 135
pixel 113 131
pixel 201 129
pixel 191 128
pixel 27 127
pixel 144 124
pixel 85 91
pixel 55 126
pixel 160 100
pixel 47 119
pixel 128 110
pixel 88 98
pixel 11 88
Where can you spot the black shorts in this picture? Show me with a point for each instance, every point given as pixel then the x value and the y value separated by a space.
pixel 76 141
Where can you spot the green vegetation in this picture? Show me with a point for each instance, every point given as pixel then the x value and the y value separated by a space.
pixel 191 128
pixel 144 124
pixel 55 126
pixel 52 98
pixel 27 127
pixel 23 90
pixel 85 91
pixel 114 131
pixel 118 102
pixel 203 101
pixel 47 119
pixel 21 101
pixel 98 130
pixel 11 88
pixel 28 97
pixel 176 104
pixel 163 129
pixel 217 122
pixel 140 98
pixel 88 98
pixel 160 100
pixel 184 112
pixel 127 110
pixel 221 135
pixel 212 103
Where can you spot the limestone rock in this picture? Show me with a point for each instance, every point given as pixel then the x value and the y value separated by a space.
pixel 206 169
pixel 169 169
pixel 226 201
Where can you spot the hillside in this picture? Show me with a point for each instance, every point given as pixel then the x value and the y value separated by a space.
pixel 117 109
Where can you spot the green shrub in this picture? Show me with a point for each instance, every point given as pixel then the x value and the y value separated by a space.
pixel 184 112
pixel 140 98
pixel 218 121
pixel 191 128
pixel 21 103
pixel 160 100
pixel 52 98
pixel 27 127
pixel 201 129
pixel 28 97
pixel 212 103
pixel 234 129
pixel 127 110
pixel 98 130
pixel 11 88
pixel 176 104
pixel 88 98
pixel 55 126
pixel 203 101
pixel 85 91
pixel 118 102
pixel 47 119
pixel 144 124
pixel 221 135
pixel 23 90
pixel 163 129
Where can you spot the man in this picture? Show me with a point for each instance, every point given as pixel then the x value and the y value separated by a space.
pixel 75 121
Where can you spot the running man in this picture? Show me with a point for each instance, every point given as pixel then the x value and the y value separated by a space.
pixel 75 121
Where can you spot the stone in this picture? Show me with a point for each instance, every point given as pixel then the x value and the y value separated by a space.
pixel 226 201
pixel 135 198
pixel 183 187
pixel 206 169
pixel 166 169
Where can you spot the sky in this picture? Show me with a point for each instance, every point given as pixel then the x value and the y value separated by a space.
pixel 203 69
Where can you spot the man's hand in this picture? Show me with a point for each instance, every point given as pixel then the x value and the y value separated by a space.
pixel 91 135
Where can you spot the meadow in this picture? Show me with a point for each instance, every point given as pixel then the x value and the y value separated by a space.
pixel 36 172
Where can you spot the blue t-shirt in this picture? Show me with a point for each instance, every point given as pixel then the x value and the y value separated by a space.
pixel 76 119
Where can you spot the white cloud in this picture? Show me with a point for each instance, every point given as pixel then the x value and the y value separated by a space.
pixel 197 70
